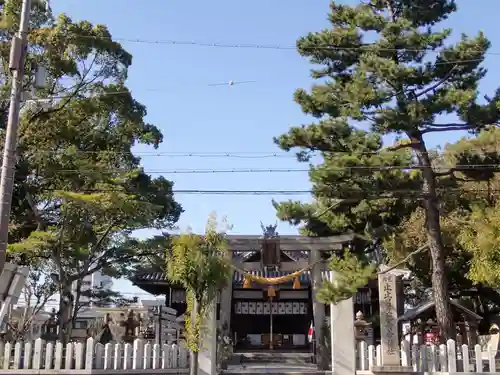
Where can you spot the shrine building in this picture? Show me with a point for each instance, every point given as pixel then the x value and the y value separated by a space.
pixel 270 304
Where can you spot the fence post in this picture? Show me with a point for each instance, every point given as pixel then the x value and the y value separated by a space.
pixel 175 356
pixel 183 356
pixel 79 355
pixel 433 358
pixel 414 357
pixel 89 354
pixel 49 355
pixel 138 354
pixel 405 354
pixel 108 356
pixel 479 358
pixel 99 356
pixel 491 358
pixel 146 363
pixel 424 358
pixel 7 353
pixel 58 356
pixel 127 356
pixel 27 356
pixel 166 358
pixel 118 360
pixel 451 353
pixel 156 356
pixel 443 362
pixel 37 355
pixel 465 358
pixel 362 355
pixel 69 357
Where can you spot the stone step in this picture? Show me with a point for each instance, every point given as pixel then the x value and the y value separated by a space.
pixel 275 369
pixel 275 357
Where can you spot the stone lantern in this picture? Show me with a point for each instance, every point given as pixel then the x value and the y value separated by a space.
pixel 361 327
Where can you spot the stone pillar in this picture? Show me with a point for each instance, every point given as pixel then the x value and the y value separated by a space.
pixel 207 357
pixel 343 345
pixel 318 311
pixel 387 288
pixel 387 285
pixel 471 330
pixel 226 297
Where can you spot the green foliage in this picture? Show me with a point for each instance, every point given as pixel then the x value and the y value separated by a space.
pixel 385 68
pixel 201 264
pixel 393 85
pixel 469 202
pixel 192 324
pixel 79 190
pixel 350 275
pixel 351 177
pixel 481 237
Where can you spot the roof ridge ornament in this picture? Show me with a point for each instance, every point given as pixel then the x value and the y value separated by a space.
pixel 269 231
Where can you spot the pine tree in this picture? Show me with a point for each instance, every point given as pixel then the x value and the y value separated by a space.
pixel 384 66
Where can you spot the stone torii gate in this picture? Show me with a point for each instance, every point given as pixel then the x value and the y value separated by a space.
pixel 342 314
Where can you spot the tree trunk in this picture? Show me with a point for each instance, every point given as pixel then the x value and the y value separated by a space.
pixel 439 279
pixel 65 314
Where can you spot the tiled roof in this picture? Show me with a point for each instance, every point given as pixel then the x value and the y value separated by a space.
pixel 161 277
pixel 414 313
pixel 150 277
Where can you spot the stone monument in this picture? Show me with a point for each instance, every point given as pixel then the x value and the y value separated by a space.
pixel 390 361
pixel 343 344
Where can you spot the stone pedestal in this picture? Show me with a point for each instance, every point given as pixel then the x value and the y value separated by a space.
pixel 207 357
pixel 343 344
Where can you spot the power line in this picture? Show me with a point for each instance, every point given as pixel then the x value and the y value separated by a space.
pixel 197 154
pixel 380 168
pixel 123 92
pixel 289 47
pixel 354 195
pixel 218 154
pixel 302 192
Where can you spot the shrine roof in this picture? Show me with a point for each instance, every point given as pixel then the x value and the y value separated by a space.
pixel 160 278
pixel 295 247
pixel 289 243
pixel 150 277
pixel 418 311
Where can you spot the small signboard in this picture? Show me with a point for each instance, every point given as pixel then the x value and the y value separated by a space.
pixel 168 314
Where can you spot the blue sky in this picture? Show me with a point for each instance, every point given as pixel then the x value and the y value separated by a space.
pixel 173 82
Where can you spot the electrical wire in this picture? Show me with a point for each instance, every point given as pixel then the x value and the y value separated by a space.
pixel 368 47
pixel 197 154
pixel 218 154
pixel 381 168
pixel 120 92
pixel 375 195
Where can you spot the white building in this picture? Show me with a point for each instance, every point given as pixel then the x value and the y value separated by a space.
pixel 94 281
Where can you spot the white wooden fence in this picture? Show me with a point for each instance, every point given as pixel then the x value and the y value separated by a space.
pixel 91 357
pixel 430 358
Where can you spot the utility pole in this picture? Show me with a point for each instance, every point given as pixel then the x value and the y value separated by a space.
pixel 16 66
